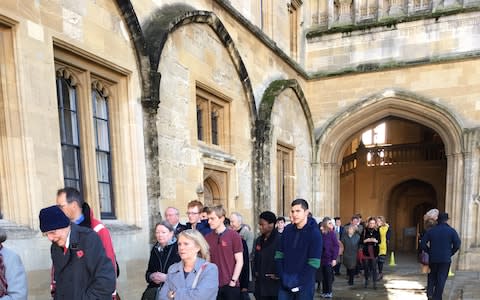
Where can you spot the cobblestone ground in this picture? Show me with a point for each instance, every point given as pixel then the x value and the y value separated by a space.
pixel 405 281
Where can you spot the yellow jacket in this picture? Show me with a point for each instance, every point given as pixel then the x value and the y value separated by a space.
pixel 383 239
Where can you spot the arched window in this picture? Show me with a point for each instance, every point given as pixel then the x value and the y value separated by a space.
pixel 91 97
pixel 102 147
pixel 69 131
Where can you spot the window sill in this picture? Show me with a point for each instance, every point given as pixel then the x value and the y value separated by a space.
pixel 118 227
pixel 15 231
pixel 216 154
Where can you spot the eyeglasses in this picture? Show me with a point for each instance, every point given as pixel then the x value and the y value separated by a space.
pixel 192 213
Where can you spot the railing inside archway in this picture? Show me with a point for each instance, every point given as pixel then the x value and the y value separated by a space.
pixel 389 155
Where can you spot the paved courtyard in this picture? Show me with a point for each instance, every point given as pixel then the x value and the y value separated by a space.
pixel 404 281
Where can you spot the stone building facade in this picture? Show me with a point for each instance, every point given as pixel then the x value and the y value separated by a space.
pixel 152 103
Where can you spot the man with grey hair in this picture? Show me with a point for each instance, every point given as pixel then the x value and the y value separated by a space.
pixel 173 218
pixel 236 222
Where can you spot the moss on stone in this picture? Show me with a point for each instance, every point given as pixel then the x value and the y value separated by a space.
pixel 391 21
pixel 157 26
pixel 271 93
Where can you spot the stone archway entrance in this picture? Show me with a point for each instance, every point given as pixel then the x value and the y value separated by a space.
pixel 333 139
pixel 408 202
pixel 394 168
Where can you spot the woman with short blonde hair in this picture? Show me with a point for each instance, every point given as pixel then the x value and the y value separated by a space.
pixel 193 277
pixel 198 239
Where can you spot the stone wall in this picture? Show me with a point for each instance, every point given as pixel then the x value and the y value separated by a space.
pixel 289 127
pixel 194 55
pixel 96 33
pixel 402 43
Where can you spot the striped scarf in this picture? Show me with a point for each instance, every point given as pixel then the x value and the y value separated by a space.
pixel 3 279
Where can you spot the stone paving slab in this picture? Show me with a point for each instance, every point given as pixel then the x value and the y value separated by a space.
pixel 405 281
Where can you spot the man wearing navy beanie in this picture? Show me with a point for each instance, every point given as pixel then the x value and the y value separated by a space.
pixel 81 268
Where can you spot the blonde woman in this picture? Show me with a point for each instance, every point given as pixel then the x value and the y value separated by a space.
pixel 194 277
pixel 385 232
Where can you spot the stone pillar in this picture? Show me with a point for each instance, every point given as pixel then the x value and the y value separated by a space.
pixel 332 17
pixel 469 230
pixel 328 203
pixel 451 4
pixel 345 12
pixel 150 109
pixel 396 8
pixel 261 176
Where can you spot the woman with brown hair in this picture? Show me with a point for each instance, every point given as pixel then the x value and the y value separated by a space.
pixel 164 253
pixel 370 241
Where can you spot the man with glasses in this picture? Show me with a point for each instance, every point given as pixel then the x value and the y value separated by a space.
pixel 82 269
pixel 194 210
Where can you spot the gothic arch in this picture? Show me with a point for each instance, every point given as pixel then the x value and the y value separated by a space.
pixel 212 191
pixel 392 185
pixel 210 19
pixel 404 212
pixel 273 91
pixel 149 94
pixel 333 137
pixel 263 137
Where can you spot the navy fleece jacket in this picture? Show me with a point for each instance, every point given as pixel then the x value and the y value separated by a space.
pixel 298 255
pixel 441 242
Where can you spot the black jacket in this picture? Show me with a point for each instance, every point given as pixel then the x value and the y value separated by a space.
pixel 370 233
pixel 264 263
pixel 84 271
pixel 161 260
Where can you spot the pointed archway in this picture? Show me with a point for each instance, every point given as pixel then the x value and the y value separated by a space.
pixel 332 140
pixel 268 174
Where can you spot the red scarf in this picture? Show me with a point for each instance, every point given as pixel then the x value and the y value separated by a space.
pixel 3 279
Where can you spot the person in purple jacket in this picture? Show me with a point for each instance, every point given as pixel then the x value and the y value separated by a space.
pixel 329 256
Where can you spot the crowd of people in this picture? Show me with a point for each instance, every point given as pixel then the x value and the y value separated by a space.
pixel 214 256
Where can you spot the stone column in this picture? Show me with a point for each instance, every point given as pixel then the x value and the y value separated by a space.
pixel 261 176
pixel 332 18
pixel 451 3
pixel 328 201
pixel 469 229
pixel 344 11
pixel 396 8
pixel 150 109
